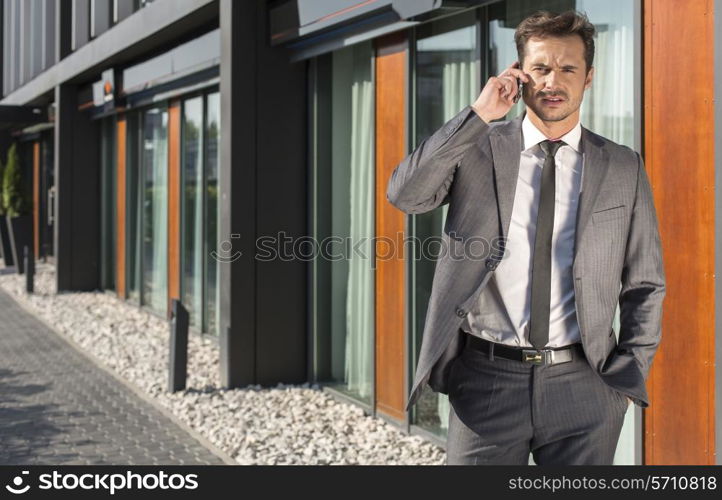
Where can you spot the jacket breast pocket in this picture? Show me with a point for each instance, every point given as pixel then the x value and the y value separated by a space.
pixel 609 214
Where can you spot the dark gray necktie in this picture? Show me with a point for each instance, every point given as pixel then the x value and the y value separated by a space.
pixel 542 264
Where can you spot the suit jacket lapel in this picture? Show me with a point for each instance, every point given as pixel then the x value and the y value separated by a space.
pixel 506 147
pixel 506 144
pixel 595 161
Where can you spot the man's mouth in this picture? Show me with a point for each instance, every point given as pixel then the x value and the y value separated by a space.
pixel 552 101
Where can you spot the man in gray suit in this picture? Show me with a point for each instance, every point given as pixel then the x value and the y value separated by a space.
pixel 521 338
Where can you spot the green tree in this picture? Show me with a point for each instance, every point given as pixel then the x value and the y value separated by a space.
pixel 13 195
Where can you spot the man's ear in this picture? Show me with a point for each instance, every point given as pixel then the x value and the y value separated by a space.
pixel 588 80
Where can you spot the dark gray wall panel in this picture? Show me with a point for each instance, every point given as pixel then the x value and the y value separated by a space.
pixel 123 8
pixel 63 32
pixel 5 45
pixel 197 54
pixel 100 17
pixel 281 206
pixel 15 50
pixel 77 223
pixel 36 36
pixel 237 181
pixel 49 22
pixel 25 47
pixel 263 191
pixel 81 23
pixel 154 26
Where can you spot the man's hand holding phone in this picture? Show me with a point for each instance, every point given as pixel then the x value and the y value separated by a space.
pixel 500 93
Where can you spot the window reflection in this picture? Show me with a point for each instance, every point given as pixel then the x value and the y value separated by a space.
pixel 199 220
pixel 192 216
pixel 213 138
pixel 155 209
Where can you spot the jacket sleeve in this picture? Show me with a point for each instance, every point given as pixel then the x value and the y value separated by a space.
pixel 421 182
pixel 643 280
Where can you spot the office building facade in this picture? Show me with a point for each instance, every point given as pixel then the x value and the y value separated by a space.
pixel 163 140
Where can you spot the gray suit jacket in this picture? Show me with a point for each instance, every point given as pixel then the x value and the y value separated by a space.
pixel 473 166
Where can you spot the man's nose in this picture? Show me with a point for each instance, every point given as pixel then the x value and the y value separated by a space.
pixel 550 80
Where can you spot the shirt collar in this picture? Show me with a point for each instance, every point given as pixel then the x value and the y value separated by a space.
pixel 533 136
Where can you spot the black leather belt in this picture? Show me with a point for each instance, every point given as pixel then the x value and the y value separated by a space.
pixel 548 356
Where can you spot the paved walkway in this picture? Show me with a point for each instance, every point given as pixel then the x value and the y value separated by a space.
pixel 57 407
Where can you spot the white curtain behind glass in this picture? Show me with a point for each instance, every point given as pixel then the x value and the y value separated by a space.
pixel 159 190
pixel 213 123
pixel 360 285
pixel 608 106
pixel 193 214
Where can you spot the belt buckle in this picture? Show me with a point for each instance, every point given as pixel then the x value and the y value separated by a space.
pixel 537 357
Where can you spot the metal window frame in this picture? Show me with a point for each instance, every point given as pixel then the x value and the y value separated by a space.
pixel 638 35
pixel 108 131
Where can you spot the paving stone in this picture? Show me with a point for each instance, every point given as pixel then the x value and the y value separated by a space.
pixel 57 407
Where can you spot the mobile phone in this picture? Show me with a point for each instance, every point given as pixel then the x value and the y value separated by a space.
pixel 520 87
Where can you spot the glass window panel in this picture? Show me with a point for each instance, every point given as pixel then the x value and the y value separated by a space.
pixel 133 212
pixel 108 185
pixel 345 212
pixel 608 107
pixel 48 189
pixel 192 251
pixel 155 209
pixel 213 137
pixel 446 76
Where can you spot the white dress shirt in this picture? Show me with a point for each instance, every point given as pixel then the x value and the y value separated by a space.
pixel 502 310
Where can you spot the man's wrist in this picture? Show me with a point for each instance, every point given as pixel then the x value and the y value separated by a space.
pixel 481 114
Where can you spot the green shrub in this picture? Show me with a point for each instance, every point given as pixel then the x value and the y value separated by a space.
pixel 14 198
pixel 2 204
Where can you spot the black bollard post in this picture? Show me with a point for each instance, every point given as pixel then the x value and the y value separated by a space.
pixel 29 264
pixel 178 359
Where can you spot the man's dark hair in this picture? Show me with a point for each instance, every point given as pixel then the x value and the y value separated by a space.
pixel 544 23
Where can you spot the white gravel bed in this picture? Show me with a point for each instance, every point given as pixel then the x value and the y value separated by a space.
pixel 298 424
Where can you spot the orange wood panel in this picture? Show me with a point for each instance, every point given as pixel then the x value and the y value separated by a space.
pixel 391 68
pixel 36 199
pixel 120 206
pixel 174 190
pixel 679 156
